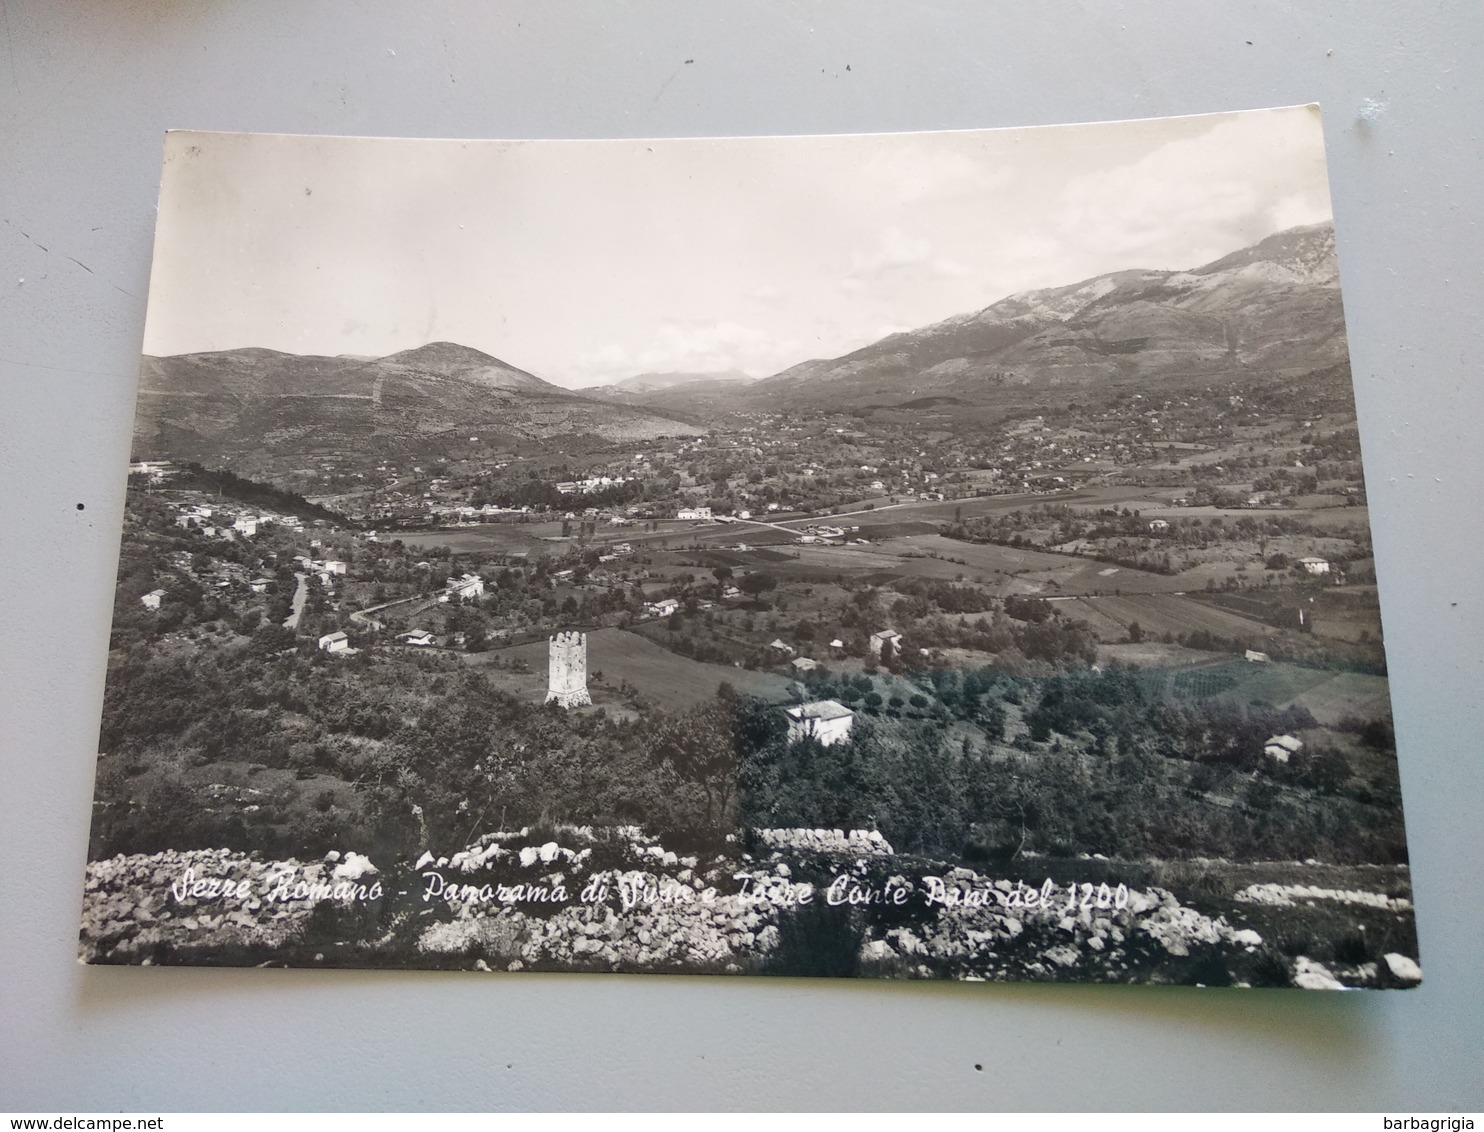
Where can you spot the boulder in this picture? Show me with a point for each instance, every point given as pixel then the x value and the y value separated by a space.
pixel 1404 969
pixel 354 867
pixel 1309 975
pixel 1063 956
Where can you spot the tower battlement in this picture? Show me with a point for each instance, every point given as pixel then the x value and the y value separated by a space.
pixel 566 669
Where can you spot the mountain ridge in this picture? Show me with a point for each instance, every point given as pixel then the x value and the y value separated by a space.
pixel 256 409
pixel 1273 305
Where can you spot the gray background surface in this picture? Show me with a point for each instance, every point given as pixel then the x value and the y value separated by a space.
pixel 86 89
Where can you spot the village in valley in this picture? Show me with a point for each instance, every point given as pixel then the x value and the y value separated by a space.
pixel 792 551
pixel 1041 641
pixel 865 585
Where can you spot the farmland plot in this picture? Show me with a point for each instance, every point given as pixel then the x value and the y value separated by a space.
pixel 674 682
pixel 1063 572
pixel 1158 614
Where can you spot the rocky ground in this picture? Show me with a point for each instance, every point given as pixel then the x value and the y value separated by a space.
pixel 801 902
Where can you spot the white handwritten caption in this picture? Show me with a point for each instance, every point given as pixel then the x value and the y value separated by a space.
pixel 641 891
pixel 281 888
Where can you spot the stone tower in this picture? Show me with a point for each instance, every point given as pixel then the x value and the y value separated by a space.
pixel 566 671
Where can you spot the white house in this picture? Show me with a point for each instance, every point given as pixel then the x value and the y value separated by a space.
pixel 693 513
pixel 837 644
pixel 151 600
pixel 1282 747
pixel 334 566
pixel 334 642
pixel 777 644
pixel 259 585
pixel 156 471
pixel 1158 525
pixel 826 721
pixel 804 664
pixel 470 585
pixel 246 525
pixel 663 608
pixel 1314 565
pixel 883 638
pixel 418 637
pixel 1256 657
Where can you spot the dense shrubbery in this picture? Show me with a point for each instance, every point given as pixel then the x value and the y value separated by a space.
pixel 244 490
pixel 428 753
pixel 1105 767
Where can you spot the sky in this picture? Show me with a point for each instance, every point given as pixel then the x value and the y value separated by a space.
pixel 586 262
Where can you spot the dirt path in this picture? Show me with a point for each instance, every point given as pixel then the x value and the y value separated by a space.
pixel 300 593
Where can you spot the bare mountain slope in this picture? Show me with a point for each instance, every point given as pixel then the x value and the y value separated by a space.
pixel 1272 307
pixel 280 408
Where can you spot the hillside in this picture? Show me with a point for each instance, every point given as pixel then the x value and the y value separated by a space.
pixel 1273 307
pixel 654 382
pixel 263 409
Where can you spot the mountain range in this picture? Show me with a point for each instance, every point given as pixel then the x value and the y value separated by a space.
pixel 255 406
pixel 1269 309
pixel 1273 307
pixel 655 382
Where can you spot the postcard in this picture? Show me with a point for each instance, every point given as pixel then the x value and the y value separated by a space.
pixel 924 556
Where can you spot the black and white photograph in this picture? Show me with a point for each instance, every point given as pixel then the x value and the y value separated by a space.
pixel 912 556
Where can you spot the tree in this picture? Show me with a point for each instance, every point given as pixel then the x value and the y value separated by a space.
pixel 888 653
pixel 701 748
pixel 757 583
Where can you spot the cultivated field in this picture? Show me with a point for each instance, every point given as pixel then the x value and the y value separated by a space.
pixel 1158 614
pixel 660 676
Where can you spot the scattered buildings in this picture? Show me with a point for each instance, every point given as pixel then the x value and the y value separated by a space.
pixel 827 722
pixel 155 471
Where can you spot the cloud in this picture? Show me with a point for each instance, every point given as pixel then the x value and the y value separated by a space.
pixel 894 249
pixel 1195 198
pixel 900 260
pixel 921 171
